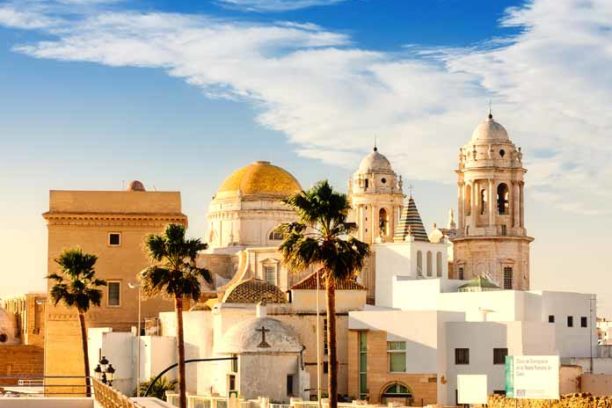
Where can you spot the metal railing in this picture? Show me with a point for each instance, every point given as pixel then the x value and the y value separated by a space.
pixel 43 386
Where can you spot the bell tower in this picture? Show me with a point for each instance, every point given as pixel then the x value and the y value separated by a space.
pixel 491 238
pixel 376 197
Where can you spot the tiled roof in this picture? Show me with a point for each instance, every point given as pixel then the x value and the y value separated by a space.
pixel 410 224
pixel 254 291
pixel 310 283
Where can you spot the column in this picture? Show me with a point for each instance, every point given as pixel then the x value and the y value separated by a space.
pixel 522 203
pixel 460 205
pixel 516 205
pixel 474 205
pixel 492 202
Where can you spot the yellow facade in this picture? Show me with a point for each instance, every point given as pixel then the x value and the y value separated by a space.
pixel 112 225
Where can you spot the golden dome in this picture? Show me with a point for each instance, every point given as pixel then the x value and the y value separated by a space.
pixel 261 178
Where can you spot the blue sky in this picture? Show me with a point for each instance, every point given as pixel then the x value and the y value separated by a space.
pixel 180 93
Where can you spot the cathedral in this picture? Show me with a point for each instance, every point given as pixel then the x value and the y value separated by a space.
pixel 487 241
pixel 489 238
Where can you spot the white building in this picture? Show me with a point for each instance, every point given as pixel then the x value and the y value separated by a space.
pixel 443 328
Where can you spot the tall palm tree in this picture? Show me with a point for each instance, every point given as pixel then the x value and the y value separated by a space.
pixel 77 286
pixel 322 239
pixel 174 273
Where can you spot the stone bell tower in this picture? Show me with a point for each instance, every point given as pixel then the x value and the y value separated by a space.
pixel 491 238
pixel 376 198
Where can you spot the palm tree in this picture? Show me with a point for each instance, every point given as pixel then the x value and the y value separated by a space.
pixel 159 389
pixel 322 239
pixel 174 273
pixel 76 285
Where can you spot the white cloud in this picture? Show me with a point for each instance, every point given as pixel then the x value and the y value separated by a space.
pixel 551 85
pixel 275 5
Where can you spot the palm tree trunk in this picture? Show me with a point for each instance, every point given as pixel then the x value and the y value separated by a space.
pixel 178 306
pixel 85 353
pixel 332 387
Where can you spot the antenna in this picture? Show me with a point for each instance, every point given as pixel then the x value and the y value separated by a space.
pixel 375 143
pixel 490 110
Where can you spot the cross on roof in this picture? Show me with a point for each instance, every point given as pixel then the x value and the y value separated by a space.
pixel 263 343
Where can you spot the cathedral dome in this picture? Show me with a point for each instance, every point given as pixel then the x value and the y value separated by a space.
pixel 254 291
pixel 248 337
pixel 374 162
pixel 260 179
pixel 490 131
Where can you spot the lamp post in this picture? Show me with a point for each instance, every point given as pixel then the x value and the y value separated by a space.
pixel 137 286
pixel 318 335
pixel 105 372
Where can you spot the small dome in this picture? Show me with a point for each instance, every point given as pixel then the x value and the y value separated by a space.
pixel 248 337
pixel 7 328
pixel 261 178
pixel 254 291
pixel 489 131
pixel 136 185
pixel 374 162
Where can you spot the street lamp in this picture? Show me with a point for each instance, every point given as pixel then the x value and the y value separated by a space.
pixel 137 286
pixel 105 372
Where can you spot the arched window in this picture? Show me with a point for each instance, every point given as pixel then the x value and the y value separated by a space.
pixel 396 392
pixel 429 263
pixel 483 200
pixel 468 199
pixel 275 236
pixel 439 264
pixel 419 263
pixel 383 222
pixel 503 199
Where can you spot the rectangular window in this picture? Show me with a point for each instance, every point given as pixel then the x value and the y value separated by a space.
pixel 325 347
pixel 114 239
pixel 325 367
pixel 232 382
pixel 583 321
pixel 363 364
pixel 396 350
pixel 114 293
pixel 551 318
pixel 270 274
pixel 462 356
pixel 570 321
pixel 507 277
pixel 289 385
pixel 499 355
pixel 461 273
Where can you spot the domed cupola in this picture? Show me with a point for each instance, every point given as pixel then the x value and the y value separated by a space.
pixel 490 131
pixel 375 162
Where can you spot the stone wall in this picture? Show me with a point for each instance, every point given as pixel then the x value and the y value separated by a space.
pixel 583 400
pixel 20 361
pixel 423 386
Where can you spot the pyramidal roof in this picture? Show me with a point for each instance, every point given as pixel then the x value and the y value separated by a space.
pixel 410 224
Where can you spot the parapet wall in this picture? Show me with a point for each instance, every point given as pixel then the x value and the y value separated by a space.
pixel 581 400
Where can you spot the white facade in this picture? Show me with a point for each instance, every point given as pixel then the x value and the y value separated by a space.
pixel 434 320
pixel 407 260
pixel 121 350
